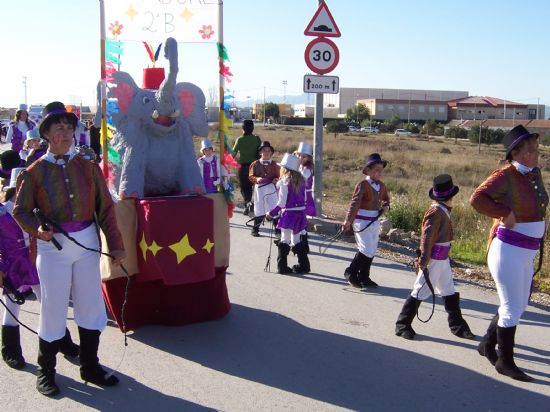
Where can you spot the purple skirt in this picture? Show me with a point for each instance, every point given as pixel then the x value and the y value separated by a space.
pixel 294 220
pixel 21 272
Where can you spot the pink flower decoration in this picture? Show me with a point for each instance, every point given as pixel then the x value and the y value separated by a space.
pixel 116 28
pixel 206 32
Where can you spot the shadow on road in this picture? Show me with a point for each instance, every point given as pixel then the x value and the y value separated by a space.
pixel 271 349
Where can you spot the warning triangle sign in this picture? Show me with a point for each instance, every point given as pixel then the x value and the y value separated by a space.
pixel 322 24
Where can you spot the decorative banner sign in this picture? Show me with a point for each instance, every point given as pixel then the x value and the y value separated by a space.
pixel 153 21
pixel 322 24
pixel 321 84
pixel 322 55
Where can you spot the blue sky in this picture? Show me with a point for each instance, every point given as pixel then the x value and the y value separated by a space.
pixel 495 48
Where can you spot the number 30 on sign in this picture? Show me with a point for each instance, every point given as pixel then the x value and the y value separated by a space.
pixel 321 55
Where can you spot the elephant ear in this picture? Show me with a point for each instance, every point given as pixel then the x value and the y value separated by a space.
pixel 192 109
pixel 124 91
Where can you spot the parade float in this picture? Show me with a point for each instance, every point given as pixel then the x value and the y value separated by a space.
pixel 176 237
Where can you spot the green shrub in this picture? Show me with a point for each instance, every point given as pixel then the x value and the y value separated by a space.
pixel 405 215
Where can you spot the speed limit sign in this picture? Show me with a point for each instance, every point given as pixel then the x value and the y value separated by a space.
pixel 322 55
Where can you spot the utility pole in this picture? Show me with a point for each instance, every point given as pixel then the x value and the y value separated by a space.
pixel 318 151
pixel 263 107
pixel 25 88
pixel 284 91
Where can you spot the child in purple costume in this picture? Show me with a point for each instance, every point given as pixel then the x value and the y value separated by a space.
pixel 209 167
pixel 17 267
pixel 291 207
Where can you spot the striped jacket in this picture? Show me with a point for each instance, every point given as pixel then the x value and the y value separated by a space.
pixel 436 228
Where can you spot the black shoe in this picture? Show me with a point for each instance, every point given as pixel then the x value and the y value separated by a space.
pixel 98 376
pixel 352 280
pixel 369 284
pixel 45 383
pixel 11 347
pixel 505 364
pixel 406 333
pixel 255 234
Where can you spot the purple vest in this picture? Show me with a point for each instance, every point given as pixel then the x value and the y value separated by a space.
pixel 18 138
pixel 296 198
pixel 210 174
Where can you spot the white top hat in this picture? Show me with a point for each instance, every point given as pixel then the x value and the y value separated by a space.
pixel 13 178
pixel 33 134
pixel 290 162
pixel 206 144
pixel 305 148
pixel 23 106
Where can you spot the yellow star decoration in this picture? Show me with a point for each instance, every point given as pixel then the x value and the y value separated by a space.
pixel 131 12
pixel 186 14
pixel 208 245
pixel 154 248
pixel 182 249
pixel 143 246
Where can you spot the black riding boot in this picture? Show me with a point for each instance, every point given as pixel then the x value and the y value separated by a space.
pixel 90 369
pixel 364 274
pixel 45 379
pixel 303 260
pixel 304 240
pixel 67 347
pixel 487 346
pixel 403 326
pixel 256 228
pixel 505 363
pixel 11 347
pixel 352 270
pixel 276 231
pixel 457 324
pixel 282 265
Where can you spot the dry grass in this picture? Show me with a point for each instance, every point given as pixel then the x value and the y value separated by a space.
pixel 413 163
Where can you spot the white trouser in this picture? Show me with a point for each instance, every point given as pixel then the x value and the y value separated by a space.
pixel 290 238
pixel 7 319
pixel 512 270
pixel 367 240
pixel 441 278
pixel 73 272
pixel 265 199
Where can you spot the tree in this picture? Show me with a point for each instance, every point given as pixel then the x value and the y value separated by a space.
pixel 271 110
pixel 357 113
pixel 456 133
pixel 336 126
pixel 430 127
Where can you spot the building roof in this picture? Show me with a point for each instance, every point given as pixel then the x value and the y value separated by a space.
pixel 502 123
pixel 484 101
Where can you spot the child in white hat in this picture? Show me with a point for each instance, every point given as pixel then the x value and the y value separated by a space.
pixel 305 153
pixel 32 142
pixel 291 207
pixel 211 172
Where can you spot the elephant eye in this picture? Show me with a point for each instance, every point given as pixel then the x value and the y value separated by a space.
pixel 145 100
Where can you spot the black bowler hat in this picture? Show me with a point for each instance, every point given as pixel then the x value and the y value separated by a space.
pixel 54 111
pixel 266 144
pixel 372 160
pixel 515 137
pixel 443 188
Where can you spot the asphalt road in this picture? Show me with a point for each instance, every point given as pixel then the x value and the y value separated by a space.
pixel 300 343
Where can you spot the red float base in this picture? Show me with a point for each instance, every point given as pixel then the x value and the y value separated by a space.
pixel 154 302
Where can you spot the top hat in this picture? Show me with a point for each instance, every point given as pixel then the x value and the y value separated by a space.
pixel 9 160
pixel 372 160
pixel 305 148
pixel 443 188
pixel 515 137
pixel 206 144
pixel 13 178
pixel 54 111
pixel 266 144
pixel 33 135
pixel 153 77
pixel 290 162
pixel 23 106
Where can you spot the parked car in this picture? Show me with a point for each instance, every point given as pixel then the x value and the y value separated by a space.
pixel 402 132
pixel 354 129
pixel 370 130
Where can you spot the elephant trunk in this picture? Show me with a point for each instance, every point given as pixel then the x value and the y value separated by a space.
pixel 167 107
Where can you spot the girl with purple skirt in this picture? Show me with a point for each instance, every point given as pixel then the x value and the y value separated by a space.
pixel 291 207
pixel 305 153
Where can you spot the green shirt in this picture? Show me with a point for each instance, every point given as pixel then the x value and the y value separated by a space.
pixel 247 148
